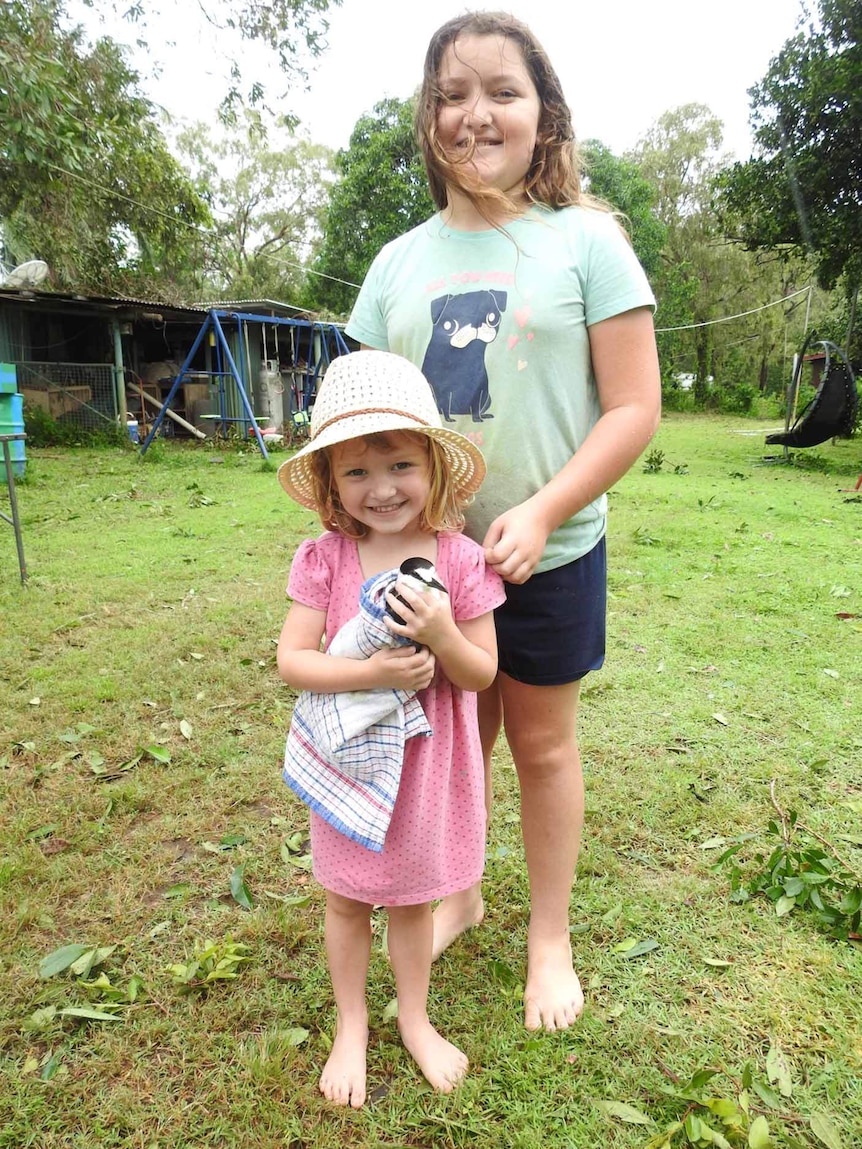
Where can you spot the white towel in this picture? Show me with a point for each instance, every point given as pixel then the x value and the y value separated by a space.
pixel 345 751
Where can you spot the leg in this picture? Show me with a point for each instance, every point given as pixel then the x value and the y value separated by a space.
pixel 348 947
pixel 410 934
pixel 462 911
pixel 541 728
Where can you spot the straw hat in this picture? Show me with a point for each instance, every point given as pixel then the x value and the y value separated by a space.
pixel 371 391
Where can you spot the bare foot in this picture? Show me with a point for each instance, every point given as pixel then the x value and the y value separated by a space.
pixel 343 1077
pixel 443 1064
pixel 454 916
pixel 553 998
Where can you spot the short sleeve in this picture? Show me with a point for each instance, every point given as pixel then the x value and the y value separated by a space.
pixel 615 280
pixel 367 324
pixel 310 579
pixel 474 589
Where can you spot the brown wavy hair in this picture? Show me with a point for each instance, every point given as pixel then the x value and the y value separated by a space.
pixel 554 177
pixel 443 510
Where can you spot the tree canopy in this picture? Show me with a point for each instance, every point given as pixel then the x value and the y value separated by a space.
pixel 267 196
pixel 382 192
pixel 803 188
pixel 87 182
pixel 619 182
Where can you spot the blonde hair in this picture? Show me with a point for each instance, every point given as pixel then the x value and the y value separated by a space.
pixel 554 177
pixel 443 510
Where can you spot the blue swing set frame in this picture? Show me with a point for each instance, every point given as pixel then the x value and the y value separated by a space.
pixel 320 336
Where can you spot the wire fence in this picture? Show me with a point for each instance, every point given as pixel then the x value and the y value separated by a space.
pixel 80 393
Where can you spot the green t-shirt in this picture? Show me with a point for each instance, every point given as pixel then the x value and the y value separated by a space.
pixel 498 324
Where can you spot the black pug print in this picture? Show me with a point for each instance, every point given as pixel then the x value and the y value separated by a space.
pixel 454 363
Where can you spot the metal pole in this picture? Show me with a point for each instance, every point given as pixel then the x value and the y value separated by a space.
pixel 119 375
pixel 13 505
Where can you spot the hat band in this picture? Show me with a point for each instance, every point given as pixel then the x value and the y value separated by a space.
pixel 368 411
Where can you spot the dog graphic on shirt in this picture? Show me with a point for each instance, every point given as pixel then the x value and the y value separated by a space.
pixel 454 363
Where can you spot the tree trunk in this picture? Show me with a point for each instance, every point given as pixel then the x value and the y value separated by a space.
pixel 702 343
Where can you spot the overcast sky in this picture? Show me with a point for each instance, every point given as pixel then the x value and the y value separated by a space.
pixel 622 63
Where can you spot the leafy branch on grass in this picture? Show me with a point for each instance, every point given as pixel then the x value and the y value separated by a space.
pixel 733 1121
pixel 217 961
pixel 653 462
pixel 107 998
pixel 803 872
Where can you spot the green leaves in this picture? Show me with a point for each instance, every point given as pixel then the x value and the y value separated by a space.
pixel 778 1070
pixel 239 890
pixel 758 1134
pixel 803 872
pixel 88 181
pixel 78 959
pixel 632 948
pixel 626 1113
pixel 60 960
pixel 382 192
pixel 824 1130
pixel 215 961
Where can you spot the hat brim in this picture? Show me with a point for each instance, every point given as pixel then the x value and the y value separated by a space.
pixel 466 462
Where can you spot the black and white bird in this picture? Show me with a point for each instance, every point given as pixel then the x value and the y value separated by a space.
pixel 420 575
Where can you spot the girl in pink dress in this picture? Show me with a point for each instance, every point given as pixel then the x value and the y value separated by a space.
pixel 389 483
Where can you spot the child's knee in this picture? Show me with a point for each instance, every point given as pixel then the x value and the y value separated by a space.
pixel 346 907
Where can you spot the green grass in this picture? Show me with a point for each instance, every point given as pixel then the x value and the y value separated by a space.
pixel 142 730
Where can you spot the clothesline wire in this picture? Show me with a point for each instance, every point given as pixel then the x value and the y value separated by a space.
pixel 729 318
pixel 348 283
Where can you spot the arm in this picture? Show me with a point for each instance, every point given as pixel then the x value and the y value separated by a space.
pixel 305 666
pixel 466 651
pixel 625 365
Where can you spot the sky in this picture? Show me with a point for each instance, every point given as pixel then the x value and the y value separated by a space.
pixel 622 63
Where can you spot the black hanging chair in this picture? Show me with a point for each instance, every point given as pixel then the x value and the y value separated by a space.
pixel 832 411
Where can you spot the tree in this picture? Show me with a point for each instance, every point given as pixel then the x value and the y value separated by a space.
pixel 620 183
pixel 680 156
pixel 803 190
pixel 268 202
pixel 382 192
pixel 295 30
pixel 704 278
pixel 86 180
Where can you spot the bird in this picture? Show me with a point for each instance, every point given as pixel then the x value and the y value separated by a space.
pixel 419 574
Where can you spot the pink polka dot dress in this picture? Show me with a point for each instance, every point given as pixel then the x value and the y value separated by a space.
pixel 436 840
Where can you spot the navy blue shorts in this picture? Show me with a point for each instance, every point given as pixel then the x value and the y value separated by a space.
pixel 551 629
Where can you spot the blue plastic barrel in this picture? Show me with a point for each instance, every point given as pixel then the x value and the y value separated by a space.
pixel 12 423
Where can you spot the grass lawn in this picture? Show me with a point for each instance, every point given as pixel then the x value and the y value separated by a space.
pixel 141 733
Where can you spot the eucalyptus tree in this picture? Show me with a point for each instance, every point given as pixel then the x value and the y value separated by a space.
pixel 267 192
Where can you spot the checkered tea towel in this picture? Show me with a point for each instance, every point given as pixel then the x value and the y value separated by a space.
pixel 345 751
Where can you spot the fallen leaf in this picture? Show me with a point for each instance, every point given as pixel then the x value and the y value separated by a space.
pixel 239 890
pixel 638 949
pixel 824 1130
pixel 778 1070
pixel 720 718
pixel 623 1112
pixel 758 1134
